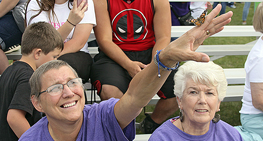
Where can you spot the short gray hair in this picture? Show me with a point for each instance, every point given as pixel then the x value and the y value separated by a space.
pixel 35 80
pixel 205 73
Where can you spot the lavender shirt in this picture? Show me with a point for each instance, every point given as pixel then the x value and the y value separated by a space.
pixel 220 131
pixel 99 124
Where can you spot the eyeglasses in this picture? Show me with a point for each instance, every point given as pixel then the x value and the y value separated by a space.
pixel 57 88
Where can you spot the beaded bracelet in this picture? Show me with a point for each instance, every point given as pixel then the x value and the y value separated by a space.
pixel 71 23
pixel 162 66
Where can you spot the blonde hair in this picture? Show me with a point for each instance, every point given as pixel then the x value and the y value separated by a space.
pixel 258 18
pixel 205 73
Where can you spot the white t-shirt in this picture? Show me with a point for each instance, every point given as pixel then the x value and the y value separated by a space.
pixel 61 13
pixel 198 8
pixel 254 73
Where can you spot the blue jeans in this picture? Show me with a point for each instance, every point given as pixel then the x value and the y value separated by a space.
pixel 223 10
pixel 245 10
pixel 9 31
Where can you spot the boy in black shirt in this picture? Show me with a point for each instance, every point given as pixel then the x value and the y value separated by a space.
pixel 40 43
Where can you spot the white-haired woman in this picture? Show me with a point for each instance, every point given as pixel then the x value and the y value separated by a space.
pixel 200 88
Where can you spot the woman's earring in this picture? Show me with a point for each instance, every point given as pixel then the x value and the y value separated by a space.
pixel 181 116
pixel 216 118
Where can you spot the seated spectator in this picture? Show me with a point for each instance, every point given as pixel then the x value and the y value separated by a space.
pixel 40 43
pixel 10 35
pixel 57 91
pixel 251 113
pixel 128 36
pixel 199 89
pixel 74 23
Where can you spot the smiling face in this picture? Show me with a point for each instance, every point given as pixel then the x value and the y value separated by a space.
pixel 66 107
pixel 199 102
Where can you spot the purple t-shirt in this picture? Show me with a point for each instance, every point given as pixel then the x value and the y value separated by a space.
pixel 99 124
pixel 220 131
pixel 181 9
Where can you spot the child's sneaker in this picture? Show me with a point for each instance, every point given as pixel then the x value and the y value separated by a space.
pixel 13 48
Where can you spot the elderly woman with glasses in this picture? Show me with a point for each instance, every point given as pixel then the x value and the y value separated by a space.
pixel 200 88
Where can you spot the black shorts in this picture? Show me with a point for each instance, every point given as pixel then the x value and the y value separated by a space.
pixel 106 71
pixel 81 62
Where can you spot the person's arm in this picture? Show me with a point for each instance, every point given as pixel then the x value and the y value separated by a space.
pixel 103 33
pixel 17 121
pixel 81 31
pixel 146 83
pixel 6 6
pixel 162 24
pixel 80 37
pixel 257 95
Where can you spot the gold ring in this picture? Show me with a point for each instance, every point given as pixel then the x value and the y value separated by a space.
pixel 207 32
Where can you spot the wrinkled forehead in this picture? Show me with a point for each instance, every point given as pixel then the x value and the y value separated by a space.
pixel 195 83
pixel 202 80
pixel 58 75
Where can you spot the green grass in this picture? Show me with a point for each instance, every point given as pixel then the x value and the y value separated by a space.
pixel 229 111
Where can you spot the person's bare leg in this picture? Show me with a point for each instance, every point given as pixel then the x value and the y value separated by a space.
pixel 3 61
pixel 109 91
pixel 164 109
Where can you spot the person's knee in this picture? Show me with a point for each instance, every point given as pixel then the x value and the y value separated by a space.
pixel 171 101
pixel 3 61
pixel 109 91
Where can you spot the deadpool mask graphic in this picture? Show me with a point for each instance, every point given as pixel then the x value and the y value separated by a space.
pixel 129 24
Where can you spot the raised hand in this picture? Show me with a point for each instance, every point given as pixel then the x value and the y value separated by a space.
pixel 183 48
pixel 77 12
